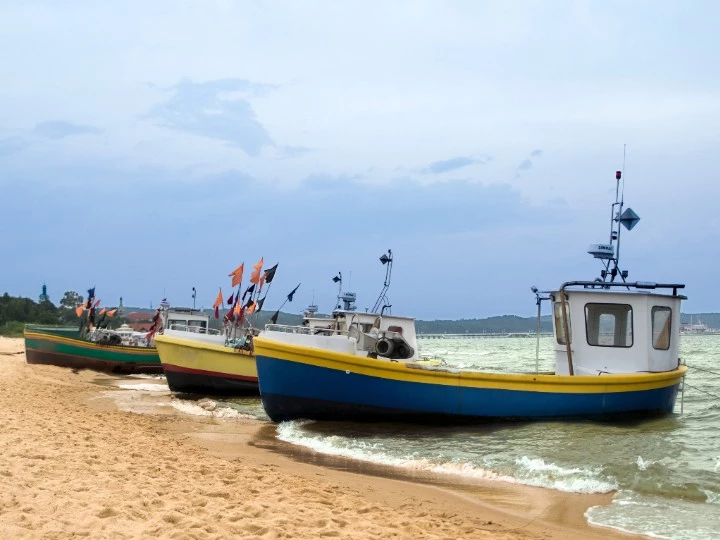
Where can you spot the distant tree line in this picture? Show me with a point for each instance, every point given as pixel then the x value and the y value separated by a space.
pixel 16 311
pixel 505 324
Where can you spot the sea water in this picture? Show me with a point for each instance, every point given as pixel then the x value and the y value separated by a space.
pixel 664 472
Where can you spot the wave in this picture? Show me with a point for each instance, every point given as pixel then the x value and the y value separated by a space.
pixel 527 471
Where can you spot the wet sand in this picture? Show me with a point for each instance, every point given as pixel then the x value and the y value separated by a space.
pixel 80 459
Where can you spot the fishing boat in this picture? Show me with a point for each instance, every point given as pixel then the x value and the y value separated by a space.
pixel 620 359
pixel 206 361
pixel 94 346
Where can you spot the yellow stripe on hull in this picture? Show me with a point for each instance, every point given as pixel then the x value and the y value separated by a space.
pixel 410 372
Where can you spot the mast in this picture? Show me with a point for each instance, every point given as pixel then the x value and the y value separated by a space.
pixel 609 253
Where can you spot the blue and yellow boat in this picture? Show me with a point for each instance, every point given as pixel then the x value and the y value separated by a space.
pixel 620 359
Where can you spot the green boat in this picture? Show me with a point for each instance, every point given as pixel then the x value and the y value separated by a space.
pixel 65 347
pixel 103 349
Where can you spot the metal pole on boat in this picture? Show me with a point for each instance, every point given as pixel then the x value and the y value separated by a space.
pixel 566 331
pixel 538 301
pixel 537 343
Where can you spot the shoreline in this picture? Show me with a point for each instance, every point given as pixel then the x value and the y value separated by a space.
pixel 78 463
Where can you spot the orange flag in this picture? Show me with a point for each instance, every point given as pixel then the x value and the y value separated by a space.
pixel 251 308
pixel 111 313
pixel 237 309
pixel 96 304
pixel 255 277
pixel 219 299
pixel 102 311
pixel 261 283
pixel 79 311
pixel 236 275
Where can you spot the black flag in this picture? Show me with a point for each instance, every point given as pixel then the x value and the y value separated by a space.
pixel 274 317
pixel 90 298
pixel 270 274
pixel 337 278
pixel 292 293
pixel 260 303
pixel 250 290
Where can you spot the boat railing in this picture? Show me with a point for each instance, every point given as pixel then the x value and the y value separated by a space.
pixel 195 329
pixel 642 285
pixel 307 330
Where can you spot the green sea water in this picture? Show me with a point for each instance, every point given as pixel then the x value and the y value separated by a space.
pixel 664 472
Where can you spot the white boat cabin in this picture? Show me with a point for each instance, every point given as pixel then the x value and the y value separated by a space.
pixel 616 331
pixel 185 319
pixel 189 323
pixel 365 334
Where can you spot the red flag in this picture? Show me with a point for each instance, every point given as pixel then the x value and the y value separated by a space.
pixel 255 277
pixel 96 304
pixel 236 275
pixel 217 312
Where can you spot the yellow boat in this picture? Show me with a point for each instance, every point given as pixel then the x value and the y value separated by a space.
pixel 204 364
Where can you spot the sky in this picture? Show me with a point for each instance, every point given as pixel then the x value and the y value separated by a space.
pixel 147 148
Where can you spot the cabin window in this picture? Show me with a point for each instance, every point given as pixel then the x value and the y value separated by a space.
pixel 559 326
pixel 176 322
pixel 397 329
pixel 661 324
pixel 609 325
pixel 197 324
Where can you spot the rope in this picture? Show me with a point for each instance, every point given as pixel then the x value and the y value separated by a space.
pixel 705 370
pixel 703 391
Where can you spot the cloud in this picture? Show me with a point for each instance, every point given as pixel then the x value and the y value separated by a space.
pixel 12 145
pixel 293 151
pixel 525 165
pixel 446 165
pixel 217 110
pixel 59 129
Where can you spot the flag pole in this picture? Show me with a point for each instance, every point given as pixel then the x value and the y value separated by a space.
pixel 288 298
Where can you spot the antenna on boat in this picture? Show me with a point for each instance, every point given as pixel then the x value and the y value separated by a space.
pixel 346 300
pixel 609 253
pixel 386 260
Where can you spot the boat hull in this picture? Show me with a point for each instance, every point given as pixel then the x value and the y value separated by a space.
pixel 63 347
pixel 302 382
pixel 195 367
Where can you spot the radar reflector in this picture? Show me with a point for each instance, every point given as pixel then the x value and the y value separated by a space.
pixel 629 219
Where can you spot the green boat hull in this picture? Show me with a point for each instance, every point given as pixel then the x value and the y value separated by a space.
pixel 64 347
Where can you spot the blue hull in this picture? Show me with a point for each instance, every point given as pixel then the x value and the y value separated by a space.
pixel 293 390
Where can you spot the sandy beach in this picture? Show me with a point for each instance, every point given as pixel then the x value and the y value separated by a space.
pixel 76 464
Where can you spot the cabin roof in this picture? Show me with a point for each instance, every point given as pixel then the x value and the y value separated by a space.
pixel 616 294
pixel 617 288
